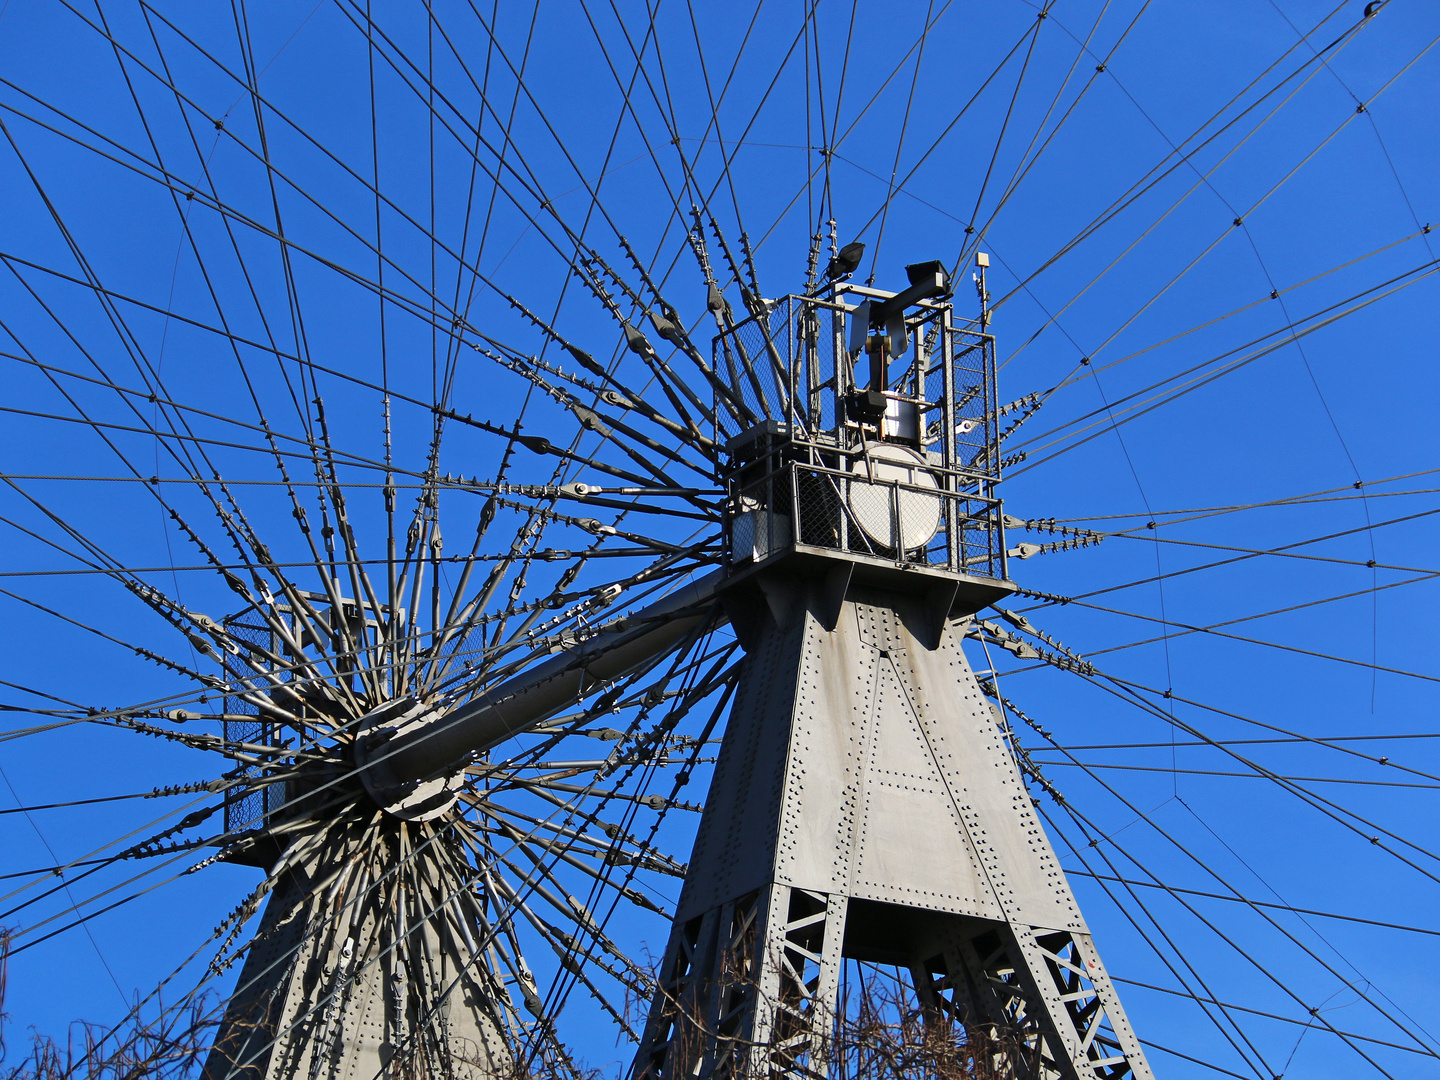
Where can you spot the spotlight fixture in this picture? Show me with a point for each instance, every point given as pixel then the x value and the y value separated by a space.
pixel 845 260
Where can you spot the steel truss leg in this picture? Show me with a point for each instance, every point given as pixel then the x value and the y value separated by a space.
pixel 749 991
pixel 1040 999
pixel 753 997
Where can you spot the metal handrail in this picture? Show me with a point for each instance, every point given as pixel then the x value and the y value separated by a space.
pixel 959 514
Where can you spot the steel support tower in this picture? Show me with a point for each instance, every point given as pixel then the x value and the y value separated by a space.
pixel 865 804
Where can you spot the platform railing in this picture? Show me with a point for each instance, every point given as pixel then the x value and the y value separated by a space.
pixel 855 512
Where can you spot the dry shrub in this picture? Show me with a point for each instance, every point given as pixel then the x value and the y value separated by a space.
pixel 885 1035
pixel 880 1032
pixel 170 1047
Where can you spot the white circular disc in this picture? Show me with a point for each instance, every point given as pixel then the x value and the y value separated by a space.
pixel 874 503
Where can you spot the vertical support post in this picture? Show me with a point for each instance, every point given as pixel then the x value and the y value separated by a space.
pixel 897 535
pixel 954 521
pixel 668 1046
pixel 811 320
pixel 796 532
pixel 793 351
pixel 762 966
pixel 731 1003
pixel 827 988
pixel 947 377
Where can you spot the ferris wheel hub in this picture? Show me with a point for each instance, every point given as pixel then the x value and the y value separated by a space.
pixel 376 742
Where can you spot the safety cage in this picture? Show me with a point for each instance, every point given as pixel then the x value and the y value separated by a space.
pixel 904 475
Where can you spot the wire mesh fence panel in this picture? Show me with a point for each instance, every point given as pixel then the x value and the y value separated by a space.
pixel 905 519
pixel 975 432
pixel 786 365
pixel 247 807
pixel 749 360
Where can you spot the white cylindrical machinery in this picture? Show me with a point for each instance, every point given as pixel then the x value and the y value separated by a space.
pixel 888 497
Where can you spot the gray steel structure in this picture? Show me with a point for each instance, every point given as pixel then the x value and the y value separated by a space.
pixel 388 984
pixel 359 970
pixel 864 805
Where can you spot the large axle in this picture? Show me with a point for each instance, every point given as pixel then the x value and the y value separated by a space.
pixel 410 752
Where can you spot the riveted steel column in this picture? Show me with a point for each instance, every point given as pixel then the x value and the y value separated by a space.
pixel 865 804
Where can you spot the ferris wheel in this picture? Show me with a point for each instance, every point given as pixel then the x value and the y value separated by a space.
pixel 671 541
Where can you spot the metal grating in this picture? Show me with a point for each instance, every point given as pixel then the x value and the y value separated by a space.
pixel 249 808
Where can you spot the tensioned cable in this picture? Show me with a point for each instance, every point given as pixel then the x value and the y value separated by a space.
pixel 1341 815
pixel 1159 172
pixel 1108 423
pixel 1265 904
pixel 1140 815
pixel 1168 769
pixel 813 171
pixel 1276 292
pixel 1309 1023
pixel 396 298
pixel 156 794
pixel 1282 551
pixel 1328 742
pixel 1368 563
pixel 561 991
pixel 840 139
pixel 1230 1033
pixel 1200 513
pixel 1187 628
pixel 524 878
pixel 1028 160
pixel 905 128
pixel 1238 221
pixel 1040 17
pixel 1324 739
pixel 1203 180
pixel 1296 330
pixel 1176 895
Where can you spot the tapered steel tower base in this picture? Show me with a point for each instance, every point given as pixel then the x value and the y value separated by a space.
pixel 359 972
pixel 865 806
